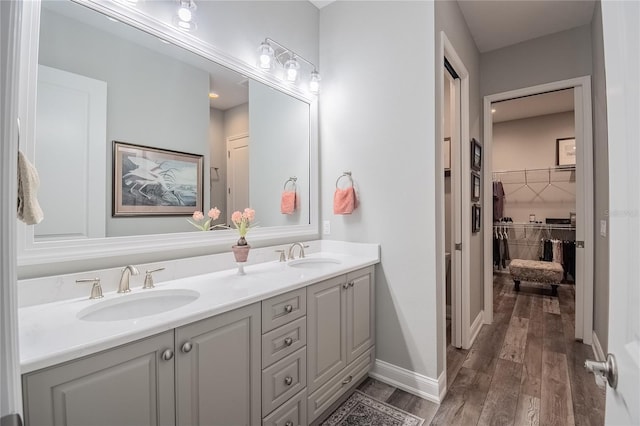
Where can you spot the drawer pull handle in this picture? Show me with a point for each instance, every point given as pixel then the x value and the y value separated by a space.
pixel 288 423
pixel 288 341
pixel 347 380
pixel 167 355
pixel 186 348
pixel 288 380
pixel 288 308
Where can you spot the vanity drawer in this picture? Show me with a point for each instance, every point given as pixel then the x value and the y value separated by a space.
pixel 283 380
pixel 330 392
pixel 291 413
pixel 284 308
pixel 283 341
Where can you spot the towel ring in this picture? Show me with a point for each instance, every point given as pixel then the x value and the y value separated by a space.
pixel 344 174
pixel 291 179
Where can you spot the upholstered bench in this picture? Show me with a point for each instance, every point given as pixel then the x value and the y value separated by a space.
pixel 536 271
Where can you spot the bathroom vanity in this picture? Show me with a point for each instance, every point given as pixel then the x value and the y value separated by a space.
pixel 277 346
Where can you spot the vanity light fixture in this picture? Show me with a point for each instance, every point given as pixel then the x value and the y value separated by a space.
pixel 272 53
pixel 184 18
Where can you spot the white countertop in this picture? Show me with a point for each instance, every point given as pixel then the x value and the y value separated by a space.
pixel 51 333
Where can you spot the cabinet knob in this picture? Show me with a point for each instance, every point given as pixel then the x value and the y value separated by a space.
pixel 347 380
pixel 186 348
pixel 288 341
pixel 345 286
pixel 288 308
pixel 167 355
pixel 288 423
pixel 288 380
pixel 351 284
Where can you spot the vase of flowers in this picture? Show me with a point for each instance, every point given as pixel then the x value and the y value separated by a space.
pixel 242 222
pixel 198 217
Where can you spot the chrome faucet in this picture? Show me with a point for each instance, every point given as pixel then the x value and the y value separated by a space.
pixel 124 278
pixel 292 246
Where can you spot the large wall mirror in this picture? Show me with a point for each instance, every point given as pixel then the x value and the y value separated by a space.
pixel 101 79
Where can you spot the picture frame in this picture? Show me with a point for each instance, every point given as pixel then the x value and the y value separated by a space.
pixel 475 186
pixel 566 152
pixel 446 156
pixel 476 218
pixel 476 155
pixel 150 181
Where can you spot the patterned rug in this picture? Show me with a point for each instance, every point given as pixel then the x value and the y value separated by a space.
pixel 361 410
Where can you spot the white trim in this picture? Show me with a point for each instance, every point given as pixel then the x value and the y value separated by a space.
pixel 11 32
pixel 584 292
pixel 417 384
pixel 597 347
pixel 476 327
pixel 32 253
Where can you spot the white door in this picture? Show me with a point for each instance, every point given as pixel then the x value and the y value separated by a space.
pixel 237 175
pixel 622 54
pixel 71 130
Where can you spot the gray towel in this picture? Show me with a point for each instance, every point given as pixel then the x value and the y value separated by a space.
pixel 29 210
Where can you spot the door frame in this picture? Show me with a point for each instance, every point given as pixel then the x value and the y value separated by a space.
pixel 460 296
pixel 584 195
pixel 229 141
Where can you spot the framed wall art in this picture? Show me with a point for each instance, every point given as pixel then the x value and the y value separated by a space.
pixel 476 155
pixel 476 218
pixel 566 152
pixel 475 186
pixel 151 181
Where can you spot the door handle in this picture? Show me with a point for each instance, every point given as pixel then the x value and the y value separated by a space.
pixel 607 369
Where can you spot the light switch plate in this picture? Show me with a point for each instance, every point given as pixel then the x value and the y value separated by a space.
pixel 603 228
pixel 326 227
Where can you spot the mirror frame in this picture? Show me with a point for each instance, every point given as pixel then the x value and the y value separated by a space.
pixel 46 252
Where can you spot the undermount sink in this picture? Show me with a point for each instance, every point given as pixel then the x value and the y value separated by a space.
pixel 137 305
pixel 313 262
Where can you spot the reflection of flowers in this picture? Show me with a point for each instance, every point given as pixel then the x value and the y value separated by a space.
pixel 198 216
pixel 242 222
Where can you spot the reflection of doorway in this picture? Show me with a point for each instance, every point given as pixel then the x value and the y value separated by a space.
pixel 237 174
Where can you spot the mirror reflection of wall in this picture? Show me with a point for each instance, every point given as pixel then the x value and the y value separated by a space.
pixel 157 95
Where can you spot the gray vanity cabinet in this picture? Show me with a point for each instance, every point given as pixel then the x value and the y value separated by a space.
pixel 341 337
pixel 127 385
pixel 218 370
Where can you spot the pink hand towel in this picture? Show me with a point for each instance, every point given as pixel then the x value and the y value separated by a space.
pixel 288 202
pixel 344 201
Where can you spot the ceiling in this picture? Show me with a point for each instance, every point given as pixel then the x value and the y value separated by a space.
pixel 500 23
pixel 533 106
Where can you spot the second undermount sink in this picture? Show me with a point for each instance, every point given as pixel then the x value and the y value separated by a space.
pixel 137 305
pixel 313 262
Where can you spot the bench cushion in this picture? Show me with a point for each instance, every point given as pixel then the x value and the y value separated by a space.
pixel 536 271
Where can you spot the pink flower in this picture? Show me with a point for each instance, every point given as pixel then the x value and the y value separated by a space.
pixel 214 213
pixel 236 217
pixel 197 215
pixel 249 214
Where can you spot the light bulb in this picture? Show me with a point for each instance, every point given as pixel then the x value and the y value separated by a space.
pixel 291 70
pixel 184 13
pixel 265 56
pixel 265 61
pixel 292 74
pixel 314 82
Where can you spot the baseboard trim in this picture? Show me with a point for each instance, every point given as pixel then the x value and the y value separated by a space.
pixel 409 381
pixel 475 327
pixel 597 348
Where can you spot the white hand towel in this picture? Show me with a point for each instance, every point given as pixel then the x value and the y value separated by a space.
pixel 29 210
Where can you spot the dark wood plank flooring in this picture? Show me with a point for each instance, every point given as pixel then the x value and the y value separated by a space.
pixel 524 369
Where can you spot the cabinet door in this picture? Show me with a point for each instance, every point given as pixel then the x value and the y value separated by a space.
pixel 218 369
pixel 326 331
pixel 360 313
pixel 128 385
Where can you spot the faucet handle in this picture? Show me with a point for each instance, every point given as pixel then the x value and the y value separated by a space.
pixel 148 279
pixel 283 258
pixel 96 290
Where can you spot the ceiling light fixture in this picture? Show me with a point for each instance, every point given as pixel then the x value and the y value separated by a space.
pixel 272 53
pixel 493 110
pixel 184 18
pixel 213 95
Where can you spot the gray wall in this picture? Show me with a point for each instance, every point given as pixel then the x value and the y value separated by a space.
pixel 601 169
pixel 379 124
pixel 138 109
pixel 530 143
pixel 558 56
pixel 449 18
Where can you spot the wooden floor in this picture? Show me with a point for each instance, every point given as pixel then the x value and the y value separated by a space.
pixel 524 369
